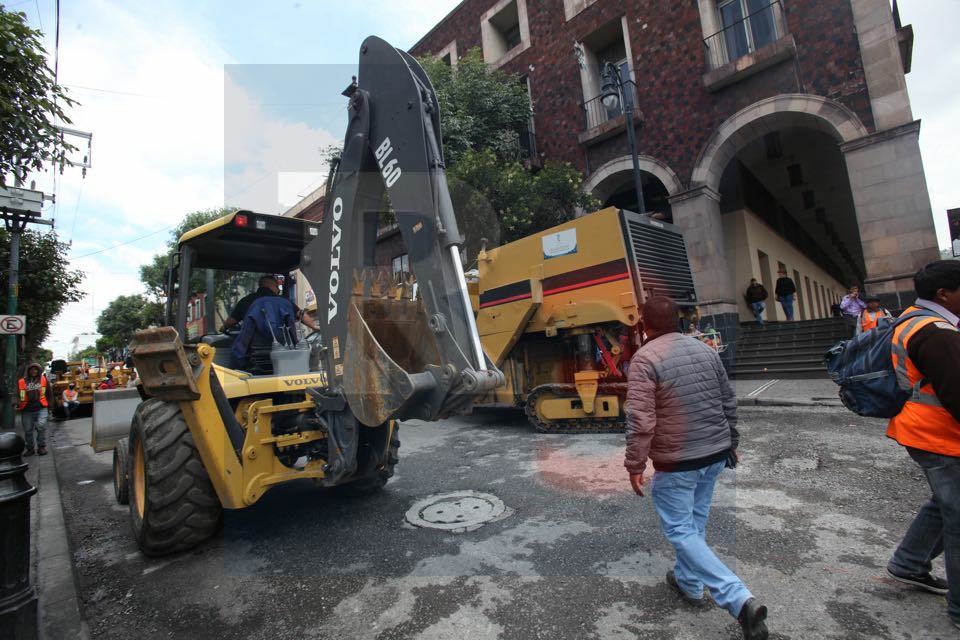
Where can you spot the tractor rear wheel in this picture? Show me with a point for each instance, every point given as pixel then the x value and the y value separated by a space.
pixel 121 471
pixel 375 481
pixel 173 505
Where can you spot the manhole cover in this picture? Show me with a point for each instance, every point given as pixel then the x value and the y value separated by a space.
pixel 461 511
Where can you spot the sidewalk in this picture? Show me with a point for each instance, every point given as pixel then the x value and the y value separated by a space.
pixel 52 564
pixel 812 392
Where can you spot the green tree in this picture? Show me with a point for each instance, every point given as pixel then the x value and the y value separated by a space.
pixel 46 285
pixel 121 318
pixel 87 352
pixel 153 274
pixel 495 195
pixel 30 101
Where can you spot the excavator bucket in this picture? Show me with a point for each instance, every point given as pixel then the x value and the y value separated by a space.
pixel 387 340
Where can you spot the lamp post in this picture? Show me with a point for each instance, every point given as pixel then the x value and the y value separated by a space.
pixel 612 95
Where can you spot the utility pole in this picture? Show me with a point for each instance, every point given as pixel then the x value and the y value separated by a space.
pixel 18 208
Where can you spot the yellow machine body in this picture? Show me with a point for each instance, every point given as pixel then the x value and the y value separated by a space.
pixel 549 303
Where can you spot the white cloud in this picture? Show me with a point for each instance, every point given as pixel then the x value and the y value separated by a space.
pixel 266 148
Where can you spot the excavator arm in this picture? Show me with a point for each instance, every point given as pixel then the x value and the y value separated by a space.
pixel 394 358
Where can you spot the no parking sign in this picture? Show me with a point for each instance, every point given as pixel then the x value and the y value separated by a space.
pixel 13 324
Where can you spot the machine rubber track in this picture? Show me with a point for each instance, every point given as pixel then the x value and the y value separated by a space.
pixel 577 425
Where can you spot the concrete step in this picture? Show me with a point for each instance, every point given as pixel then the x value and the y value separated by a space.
pixel 779 372
pixel 783 359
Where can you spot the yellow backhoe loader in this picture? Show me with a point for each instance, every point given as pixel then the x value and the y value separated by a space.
pixel 227 416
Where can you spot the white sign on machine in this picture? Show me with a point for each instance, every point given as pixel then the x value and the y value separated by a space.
pixel 561 243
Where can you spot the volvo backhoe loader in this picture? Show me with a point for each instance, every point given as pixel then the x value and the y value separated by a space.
pixel 211 436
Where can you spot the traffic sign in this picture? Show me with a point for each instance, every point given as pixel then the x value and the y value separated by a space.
pixel 13 324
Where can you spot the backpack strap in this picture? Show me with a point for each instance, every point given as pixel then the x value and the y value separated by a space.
pixel 899 347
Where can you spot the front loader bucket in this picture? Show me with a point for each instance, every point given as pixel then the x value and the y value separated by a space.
pixel 163 364
pixel 391 359
pixel 112 413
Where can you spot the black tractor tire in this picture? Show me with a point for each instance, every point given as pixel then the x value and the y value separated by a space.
pixel 121 471
pixel 173 506
pixel 375 482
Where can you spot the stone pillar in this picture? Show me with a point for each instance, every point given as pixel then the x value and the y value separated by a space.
pixel 882 66
pixel 893 210
pixel 697 212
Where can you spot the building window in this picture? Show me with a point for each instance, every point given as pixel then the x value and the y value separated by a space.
pixel 504 31
pixel 609 43
pixel 449 54
pixel 400 267
pixel 743 26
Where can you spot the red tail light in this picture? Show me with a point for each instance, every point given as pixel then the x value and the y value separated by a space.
pixel 240 220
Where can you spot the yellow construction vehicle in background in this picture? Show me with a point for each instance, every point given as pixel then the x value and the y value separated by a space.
pixel 85 377
pixel 558 313
pixel 228 416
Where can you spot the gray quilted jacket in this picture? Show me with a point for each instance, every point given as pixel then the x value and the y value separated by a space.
pixel 680 405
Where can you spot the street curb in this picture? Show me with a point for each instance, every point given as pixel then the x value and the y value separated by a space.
pixel 785 402
pixel 58 605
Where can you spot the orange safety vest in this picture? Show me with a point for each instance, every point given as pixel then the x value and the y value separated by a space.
pixel 868 322
pixel 923 422
pixel 70 395
pixel 22 386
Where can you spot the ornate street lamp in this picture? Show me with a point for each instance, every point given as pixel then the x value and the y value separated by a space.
pixel 612 95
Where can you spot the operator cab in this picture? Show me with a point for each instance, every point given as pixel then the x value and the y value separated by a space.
pixel 220 263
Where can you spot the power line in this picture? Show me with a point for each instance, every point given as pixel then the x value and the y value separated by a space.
pixel 39 19
pixel 116 92
pixel 129 242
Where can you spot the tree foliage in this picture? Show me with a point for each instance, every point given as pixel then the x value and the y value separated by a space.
pixel 30 101
pixel 46 285
pixel 87 352
pixel 495 195
pixel 121 318
pixel 153 274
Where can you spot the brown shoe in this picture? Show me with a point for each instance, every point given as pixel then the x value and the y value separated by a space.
pixel 42 450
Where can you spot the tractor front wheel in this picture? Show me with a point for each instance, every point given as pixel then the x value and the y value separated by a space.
pixel 173 506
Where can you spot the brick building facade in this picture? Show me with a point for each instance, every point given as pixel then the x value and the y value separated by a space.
pixel 776 134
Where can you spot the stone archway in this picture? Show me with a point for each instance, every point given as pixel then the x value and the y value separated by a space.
pixel 770 114
pixel 600 183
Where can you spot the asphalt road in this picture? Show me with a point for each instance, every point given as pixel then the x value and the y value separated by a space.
pixel 808 521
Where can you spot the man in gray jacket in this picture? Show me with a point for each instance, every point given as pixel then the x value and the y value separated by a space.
pixel 682 414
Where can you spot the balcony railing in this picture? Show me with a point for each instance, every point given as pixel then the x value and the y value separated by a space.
pixel 596 113
pixel 763 25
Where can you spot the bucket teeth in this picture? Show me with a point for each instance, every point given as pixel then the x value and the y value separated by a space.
pixel 359 281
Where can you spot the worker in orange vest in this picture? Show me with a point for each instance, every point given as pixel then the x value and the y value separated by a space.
pixel 70 401
pixel 32 405
pixel 926 353
pixel 872 315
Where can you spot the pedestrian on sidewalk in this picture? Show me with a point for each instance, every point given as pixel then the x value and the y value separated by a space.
pixel 682 414
pixel 785 290
pixel 851 306
pixel 872 316
pixel 70 401
pixel 929 427
pixel 755 295
pixel 32 406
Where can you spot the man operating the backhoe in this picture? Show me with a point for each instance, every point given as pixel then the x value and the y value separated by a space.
pixel 267 286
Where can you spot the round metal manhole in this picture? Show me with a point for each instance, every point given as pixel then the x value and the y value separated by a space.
pixel 461 511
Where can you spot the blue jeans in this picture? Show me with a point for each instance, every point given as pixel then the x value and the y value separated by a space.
pixel 936 528
pixel 757 312
pixel 69 407
pixel 682 500
pixel 34 421
pixel 787 303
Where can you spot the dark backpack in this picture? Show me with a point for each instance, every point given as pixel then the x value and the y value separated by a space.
pixel 863 368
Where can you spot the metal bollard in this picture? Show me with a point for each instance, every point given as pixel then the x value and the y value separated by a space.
pixel 18 599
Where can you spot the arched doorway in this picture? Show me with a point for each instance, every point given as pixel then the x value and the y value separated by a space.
pixel 785 198
pixel 613 185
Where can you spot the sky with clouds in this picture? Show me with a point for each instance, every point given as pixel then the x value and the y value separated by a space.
pixel 196 105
